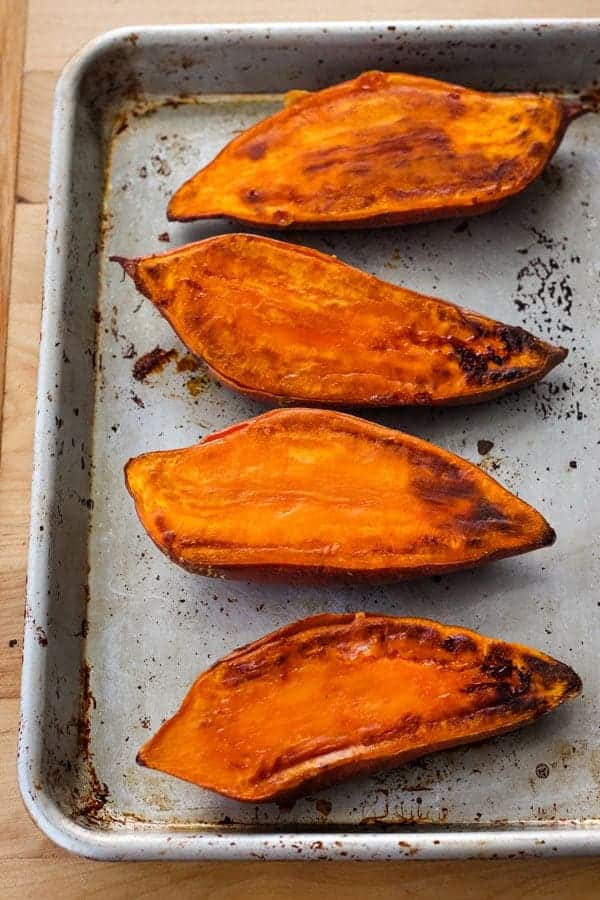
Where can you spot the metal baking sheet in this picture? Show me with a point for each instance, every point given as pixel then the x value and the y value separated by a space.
pixel 115 633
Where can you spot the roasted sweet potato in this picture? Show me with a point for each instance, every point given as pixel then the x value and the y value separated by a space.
pixel 383 149
pixel 281 322
pixel 310 494
pixel 339 695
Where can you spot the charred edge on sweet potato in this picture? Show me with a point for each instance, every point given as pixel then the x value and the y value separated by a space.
pixel 289 324
pixel 304 494
pixel 395 689
pixel 382 149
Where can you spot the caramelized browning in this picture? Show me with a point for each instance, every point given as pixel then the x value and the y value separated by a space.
pixel 317 495
pixel 337 695
pixel 383 149
pixel 281 322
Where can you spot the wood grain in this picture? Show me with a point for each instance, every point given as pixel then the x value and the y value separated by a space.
pixel 20 838
pixel 36 121
pixel 15 462
pixel 13 17
pixel 70 25
pixel 555 880
pixel 29 863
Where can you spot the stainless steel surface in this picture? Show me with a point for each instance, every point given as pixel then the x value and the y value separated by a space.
pixel 115 633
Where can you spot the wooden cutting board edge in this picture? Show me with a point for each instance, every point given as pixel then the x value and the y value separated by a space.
pixel 13 26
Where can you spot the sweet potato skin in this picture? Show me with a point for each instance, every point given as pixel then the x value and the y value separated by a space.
pixel 284 323
pixel 311 495
pixel 349 694
pixel 382 149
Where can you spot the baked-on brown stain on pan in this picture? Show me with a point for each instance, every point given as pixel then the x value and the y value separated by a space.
pixel 306 494
pixel 334 696
pixel 153 361
pixel 383 149
pixel 286 323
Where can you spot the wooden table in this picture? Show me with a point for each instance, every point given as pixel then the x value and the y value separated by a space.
pixel 29 863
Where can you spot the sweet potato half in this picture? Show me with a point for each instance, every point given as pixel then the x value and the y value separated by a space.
pixel 287 323
pixel 383 149
pixel 334 696
pixel 315 495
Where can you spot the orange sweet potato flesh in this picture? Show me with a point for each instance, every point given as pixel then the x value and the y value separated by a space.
pixel 286 323
pixel 305 494
pixel 334 696
pixel 383 149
